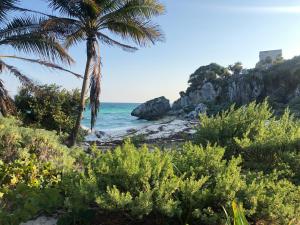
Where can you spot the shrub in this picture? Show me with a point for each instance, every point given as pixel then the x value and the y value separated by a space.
pixel 184 186
pixel 32 164
pixel 223 128
pixel 135 180
pixel 209 182
pixel 48 107
pixel 264 141
pixel 272 199
pixel 188 185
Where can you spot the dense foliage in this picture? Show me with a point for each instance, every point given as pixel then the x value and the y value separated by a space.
pixel 264 141
pixel 49 107
pixel 188 185
pixel 206 73
pixel 32 163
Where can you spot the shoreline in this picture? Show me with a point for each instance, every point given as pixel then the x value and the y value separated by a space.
pixel 169 129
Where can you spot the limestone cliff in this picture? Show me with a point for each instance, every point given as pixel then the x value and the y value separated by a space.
pixel 213 88
pixel 217 88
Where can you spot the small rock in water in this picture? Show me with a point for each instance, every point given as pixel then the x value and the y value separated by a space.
pixel 130 131
pixel 99 134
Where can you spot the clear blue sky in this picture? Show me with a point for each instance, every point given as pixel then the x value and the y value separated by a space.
pixel 197 32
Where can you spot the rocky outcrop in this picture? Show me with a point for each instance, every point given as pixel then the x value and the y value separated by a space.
pixel 217 88
pixel 214 88
pixel 153 109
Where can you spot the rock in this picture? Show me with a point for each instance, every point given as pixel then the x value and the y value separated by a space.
pixel 201 108
pixel 244 89
pixel 100 134
pixel 41 221
pixel 153 109
pixel 208 92
pixel 131 131
pixel 181 103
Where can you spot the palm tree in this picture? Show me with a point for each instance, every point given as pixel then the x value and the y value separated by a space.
pixel 91 21
pixel 27 35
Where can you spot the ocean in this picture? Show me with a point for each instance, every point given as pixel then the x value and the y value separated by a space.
pixel 114 117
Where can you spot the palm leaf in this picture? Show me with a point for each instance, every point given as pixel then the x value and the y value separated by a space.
pixel 19 26
pixel 107 40
pixel 44 63
pixel 66 7
pixel 137 9
pixel 62 27
pixel 140 32
pixel 74 38
pixel 13 70
pixel 38 43
pixel 5 6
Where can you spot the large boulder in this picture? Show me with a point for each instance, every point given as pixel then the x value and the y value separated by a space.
pixel 153 109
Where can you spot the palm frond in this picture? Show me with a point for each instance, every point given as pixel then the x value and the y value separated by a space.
pixel 16 8
pixel 137 9
pixel 18 74
pixel 60 26
pixel 18 26
pixel 11 5
pixel 108 6
pixel 90 8
pixel 74 38
pixel 38 43
pixel 107 40
pixel 44 63
pixel 66 7
pixel 140 32
pixel 5 7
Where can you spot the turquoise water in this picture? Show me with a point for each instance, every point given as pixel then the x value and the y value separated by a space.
pixel 114 116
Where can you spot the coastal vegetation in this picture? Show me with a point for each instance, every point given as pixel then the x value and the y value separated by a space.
pixel 245 154
pixel 49 107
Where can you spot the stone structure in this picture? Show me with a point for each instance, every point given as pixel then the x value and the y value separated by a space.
pixel 272 55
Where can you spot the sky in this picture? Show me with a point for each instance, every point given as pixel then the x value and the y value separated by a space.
pixel 197 32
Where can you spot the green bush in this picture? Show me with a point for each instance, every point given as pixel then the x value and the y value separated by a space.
pixel 209 182
pixel 32 165
pixel 272 199
pixel 187 185
pixel 264 141
pixel 223 128
pixel 183 186
pixel 48 107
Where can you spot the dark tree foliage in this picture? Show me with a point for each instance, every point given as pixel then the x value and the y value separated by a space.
pixel 48 107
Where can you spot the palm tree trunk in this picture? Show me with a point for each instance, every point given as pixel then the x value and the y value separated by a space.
pixel 75 131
